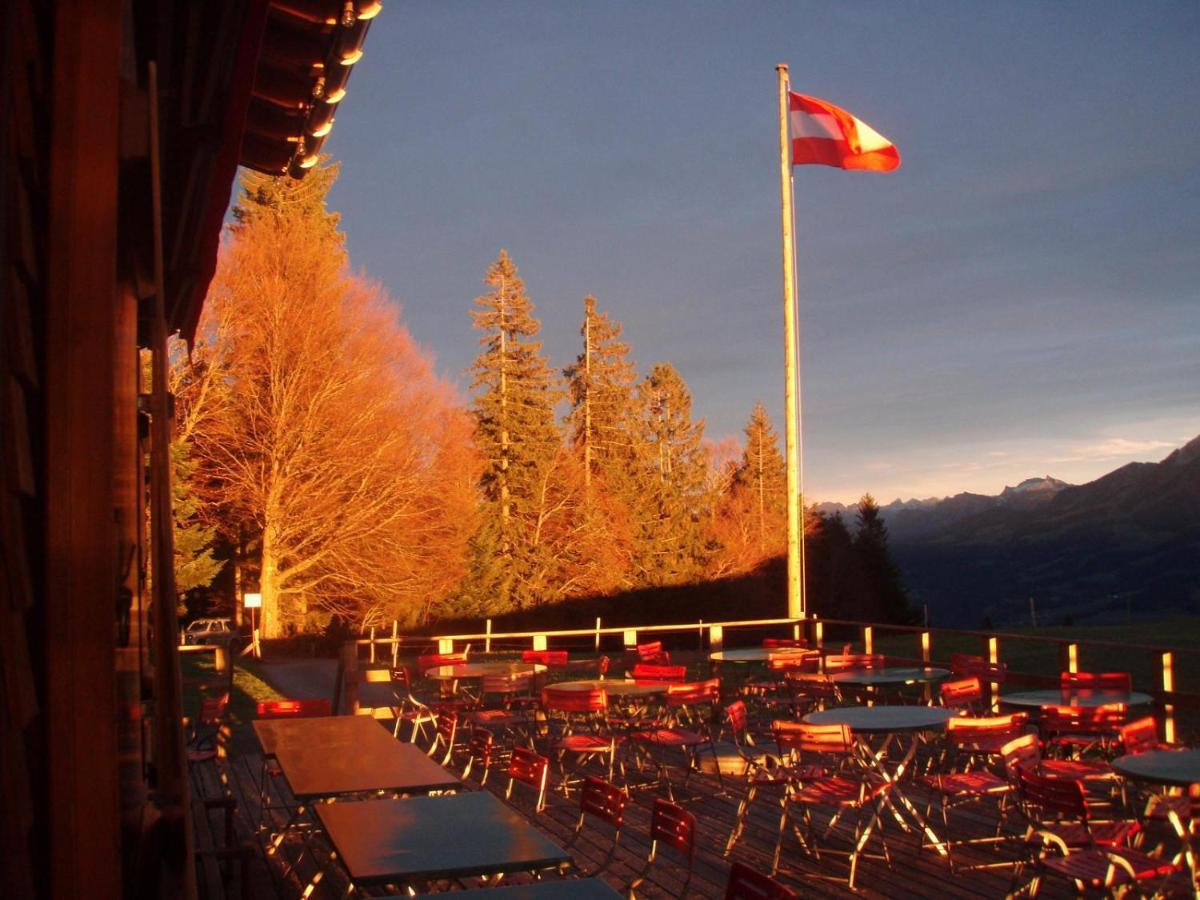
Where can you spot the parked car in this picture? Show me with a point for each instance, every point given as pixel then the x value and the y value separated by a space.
pixel 209 631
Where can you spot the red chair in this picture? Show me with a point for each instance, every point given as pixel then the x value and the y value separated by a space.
pixel 293 709
pixel 1096 681
pixel 763 771
pixel 579 726
pixel 842 662
pixel 668 734
pixel 1026 752
pixel 1093 855
pixel 408 708
pixel 1141 736
pixel 509 689
pixel 747 884
pixel 444 735
pixel 962 694
pixel 549 658
pixel 982 738
pixel 674 827
pixel 606 803
pixel 652 672
pixel 1080 729
pixel 653 653
pixel 529 768
pixel 780 643
pixel 964 665
pixel 205 733
pixel 428 661
pixel 479 749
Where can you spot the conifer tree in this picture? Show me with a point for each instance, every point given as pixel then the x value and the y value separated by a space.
pixel 516 434
pixel 881 575
pixel 763 474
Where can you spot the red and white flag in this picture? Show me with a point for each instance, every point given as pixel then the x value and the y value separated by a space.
pixel 826 135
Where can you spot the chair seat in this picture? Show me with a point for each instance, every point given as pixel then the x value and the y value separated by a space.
pixel 1076 769
pixel 497 717
pixel 1092 866
pixel 669 737
pixel 585 743
pixel 1100 834
pixel 981 782
pixel 1160 807
pixel 835 792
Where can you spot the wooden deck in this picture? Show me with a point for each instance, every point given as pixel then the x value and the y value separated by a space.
pixel 914 873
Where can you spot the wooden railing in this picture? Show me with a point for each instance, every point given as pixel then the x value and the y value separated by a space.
pixel 1149 662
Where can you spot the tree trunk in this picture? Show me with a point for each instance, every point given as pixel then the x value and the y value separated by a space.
pixel 272 623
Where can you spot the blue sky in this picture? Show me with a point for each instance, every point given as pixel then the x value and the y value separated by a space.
pixel 1020 298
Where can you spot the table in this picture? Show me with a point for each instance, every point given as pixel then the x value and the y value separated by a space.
pixel 332 755
pixel 755 654
pixel 1177 768
pixel 559 889
pixel 1076 698
pixel 891 721
pixel 428 838
pixel 616 687
pixel 890 676
pixel 478 670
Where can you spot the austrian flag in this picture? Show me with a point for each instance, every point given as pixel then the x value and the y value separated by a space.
pixel 826 135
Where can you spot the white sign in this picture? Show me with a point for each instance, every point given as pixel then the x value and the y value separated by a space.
pixel 252 601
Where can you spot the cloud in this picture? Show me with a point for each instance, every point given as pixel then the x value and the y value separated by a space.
pixel 1113 448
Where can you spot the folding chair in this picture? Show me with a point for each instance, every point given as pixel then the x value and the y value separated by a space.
pixel 529 768
pixel 510 689
pixel 606 803
pixel 479 749
pixel 655 672
pixel 783 643
pixel 653 653
pixel 666 733
pixel 1078 729
pixel 747 884
pixel 674 827
pixel 971 740
pixel 567 711
pixel 963 695
pixel 444 735
pixel 763 771
pixel 408 708
pixel 1026 752
pixel 1096 681
pixel 548 658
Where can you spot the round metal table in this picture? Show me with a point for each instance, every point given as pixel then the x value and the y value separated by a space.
pixel 884 719
pixel 478 670
pixel 616 687
pixel 890 676
pixel 1079 699
pixel 755 654
pixel 1177 768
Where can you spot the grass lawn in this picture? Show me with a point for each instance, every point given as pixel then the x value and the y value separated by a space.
pixel 249 687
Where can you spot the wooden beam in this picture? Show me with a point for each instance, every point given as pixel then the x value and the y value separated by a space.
pixel 81 535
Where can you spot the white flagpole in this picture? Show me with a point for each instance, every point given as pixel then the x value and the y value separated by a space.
pixel 795 559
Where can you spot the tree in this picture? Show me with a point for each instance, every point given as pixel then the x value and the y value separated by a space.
pixel 889 599
pixel 324 431
pixel 518 439
pixel 669 537
pixel 763 475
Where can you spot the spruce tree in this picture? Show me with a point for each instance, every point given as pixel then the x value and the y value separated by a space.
pixel 763 474
pixel 887 593
pixel 515 430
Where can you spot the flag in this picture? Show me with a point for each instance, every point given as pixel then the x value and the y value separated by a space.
pixel 826 135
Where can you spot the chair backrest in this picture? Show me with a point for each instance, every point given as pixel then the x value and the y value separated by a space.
pixel 961 692
pixel 1140 735
pixel 1096 681
pixel 840 662
pixel 293 709
pixel 738 719
pixel 805 738
pixel 1054 798
pixel 688 694
pixel 777 643
pixel 529 768
pixel 545 657
pixel 213 709
pixel 447 727
pixel 479 746
pixel 605 801
pixel 812 684
pixel 568 701
pixel 794 662
pixel 964 664
pixel 602 665
pixel 401 676
pixel 1024 752
pixel 968 730
pixel 506 683
pixel 653 652
pixel 674 826
pixel 746 883
pixel 429 661
pixel 1082 719
pixel 653 672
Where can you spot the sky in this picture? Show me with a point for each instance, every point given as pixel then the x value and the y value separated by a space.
pixel 1021 298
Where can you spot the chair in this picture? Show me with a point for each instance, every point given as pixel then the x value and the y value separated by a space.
pixel 842 662
pixel 746 883
pixel 675 827
pixel 205 731
pixel 444 734
pixel 762 770
pixel 1026 752
pixel 654 672
pixel 408 708
pixel 855 791
pixel 427 661
pixel 1096 681
pixel 1141 736
pixel 549 658
pixel 587 710
pixel 509 688
pixel 1093 855
pixel 811 690
pixel 982 738
pixel 529 768
pixel 962 694
pixel 294 709
pixel 605 802
pixel 480 746
pixel 666 733
pixel 781 643
pixel 653 653
pixel 1080 729
pixel 964 665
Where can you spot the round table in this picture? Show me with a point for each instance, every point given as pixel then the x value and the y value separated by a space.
pixel 891 675
pixel 884 719
pixel 616 687
pixel 755 654
pixel 478 670
pixel 1178 768
pixel 1079 699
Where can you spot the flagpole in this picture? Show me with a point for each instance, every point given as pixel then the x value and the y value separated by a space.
pixel 795 558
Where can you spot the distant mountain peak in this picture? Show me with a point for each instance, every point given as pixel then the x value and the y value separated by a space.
pixel 1046 484
pixel 1185 454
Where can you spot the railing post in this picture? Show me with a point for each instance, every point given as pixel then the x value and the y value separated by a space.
pixel 868 634
pixel 716 638
pixel 1069 656
pixel 395 643
pixel 992 649
pixel 372 645
pixel 925 648
pixel 1168 686
pixel 539 642
pixel 487 641
pixel 630 638
pixel 818 633
pixel 700 635
pixel 796 628
pixel 445 645
pixel 597 634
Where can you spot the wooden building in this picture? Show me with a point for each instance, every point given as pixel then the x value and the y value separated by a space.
pixel 124 122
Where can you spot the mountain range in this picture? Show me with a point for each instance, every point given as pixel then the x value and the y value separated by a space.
pixel 1124 545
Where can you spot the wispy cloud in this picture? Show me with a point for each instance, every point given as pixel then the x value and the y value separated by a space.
pixel 1112 448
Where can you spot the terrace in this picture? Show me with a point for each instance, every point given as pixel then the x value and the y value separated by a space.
pixel 305 866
